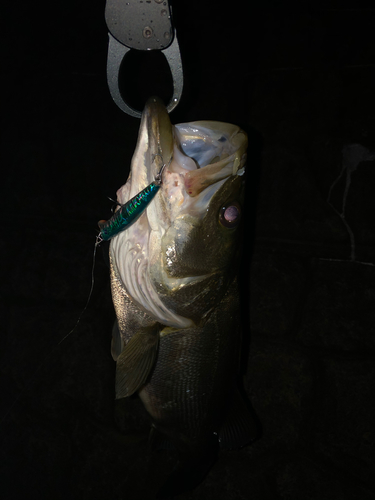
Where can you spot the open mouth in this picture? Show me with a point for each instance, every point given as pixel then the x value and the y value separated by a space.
pixel 204 152
pixel 212 151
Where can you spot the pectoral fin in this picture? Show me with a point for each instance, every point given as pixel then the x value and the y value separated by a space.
pixel 135 362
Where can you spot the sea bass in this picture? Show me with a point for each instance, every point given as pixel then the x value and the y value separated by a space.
pixel 174 287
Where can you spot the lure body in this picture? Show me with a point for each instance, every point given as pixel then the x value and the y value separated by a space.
pixel 129 212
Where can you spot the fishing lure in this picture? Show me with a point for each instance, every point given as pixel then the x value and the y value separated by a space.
pixel 130 211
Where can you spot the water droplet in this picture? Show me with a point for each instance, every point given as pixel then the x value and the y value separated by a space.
pixel 147 32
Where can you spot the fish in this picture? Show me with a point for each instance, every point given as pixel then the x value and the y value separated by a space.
pixel 174 283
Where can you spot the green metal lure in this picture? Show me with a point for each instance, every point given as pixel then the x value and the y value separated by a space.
pixel 125 216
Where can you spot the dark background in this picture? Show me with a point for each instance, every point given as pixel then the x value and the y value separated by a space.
pixel 301 82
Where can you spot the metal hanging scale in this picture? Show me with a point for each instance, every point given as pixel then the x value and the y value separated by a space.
pixel 141 25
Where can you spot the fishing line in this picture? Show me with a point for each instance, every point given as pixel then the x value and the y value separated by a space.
pixel 97 243
pixel 56 346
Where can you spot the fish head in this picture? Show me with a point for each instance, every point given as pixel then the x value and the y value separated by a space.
pixel 177 260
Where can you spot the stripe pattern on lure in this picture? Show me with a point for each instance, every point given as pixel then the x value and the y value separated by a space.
pixel 130 211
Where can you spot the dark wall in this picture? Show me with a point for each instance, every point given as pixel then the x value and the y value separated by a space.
pixel 301 83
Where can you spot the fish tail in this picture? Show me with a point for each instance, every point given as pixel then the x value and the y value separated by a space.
pixel 190 471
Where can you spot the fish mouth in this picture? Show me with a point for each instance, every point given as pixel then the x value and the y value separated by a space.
pixel 192 156
pixel 217 149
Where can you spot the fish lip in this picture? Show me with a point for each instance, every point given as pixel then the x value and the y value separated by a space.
pixel 155 118
pixel 154 148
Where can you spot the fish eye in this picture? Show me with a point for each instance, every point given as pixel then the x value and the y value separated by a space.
pixel 230 215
